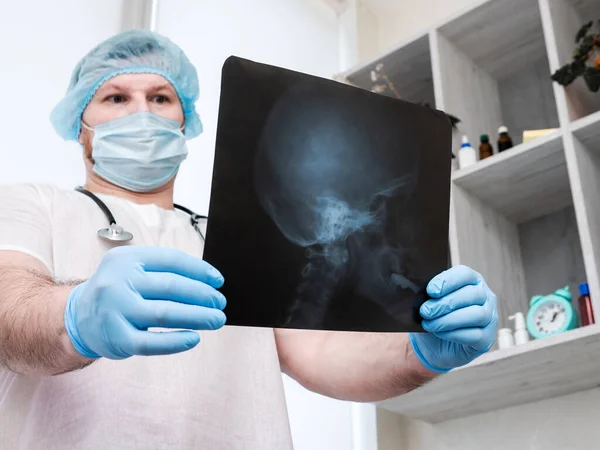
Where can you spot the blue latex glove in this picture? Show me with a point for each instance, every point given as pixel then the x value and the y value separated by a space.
pixel 461 320
pixel 136 288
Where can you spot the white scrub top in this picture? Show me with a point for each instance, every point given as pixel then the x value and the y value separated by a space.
pixel 226 393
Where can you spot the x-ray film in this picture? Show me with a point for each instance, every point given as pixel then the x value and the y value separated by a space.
pixel 329 203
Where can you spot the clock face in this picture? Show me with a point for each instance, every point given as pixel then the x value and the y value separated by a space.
pixel 550 317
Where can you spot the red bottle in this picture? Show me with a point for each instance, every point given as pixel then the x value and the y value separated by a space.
pixel 586 313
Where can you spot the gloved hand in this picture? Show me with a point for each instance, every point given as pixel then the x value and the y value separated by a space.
pixel 461 320
pixel 135 288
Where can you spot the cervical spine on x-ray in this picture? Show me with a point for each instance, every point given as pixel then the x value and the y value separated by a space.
pixel 326 191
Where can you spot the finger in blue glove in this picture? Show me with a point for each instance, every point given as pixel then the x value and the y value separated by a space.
pixel 136 288
pixel 461 319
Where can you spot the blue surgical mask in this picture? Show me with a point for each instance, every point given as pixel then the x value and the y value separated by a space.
pixel 139 152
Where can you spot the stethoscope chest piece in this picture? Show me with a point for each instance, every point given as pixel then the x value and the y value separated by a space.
pixel 115 233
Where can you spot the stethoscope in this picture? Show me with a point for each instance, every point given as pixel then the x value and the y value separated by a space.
pixel 116 233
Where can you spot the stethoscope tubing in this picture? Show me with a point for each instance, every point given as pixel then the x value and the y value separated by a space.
pixel 115 233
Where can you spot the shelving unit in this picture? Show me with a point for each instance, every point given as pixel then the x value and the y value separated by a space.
pixel 528 218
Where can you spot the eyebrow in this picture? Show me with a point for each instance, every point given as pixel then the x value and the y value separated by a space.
pixel 166 86
pixel 159 87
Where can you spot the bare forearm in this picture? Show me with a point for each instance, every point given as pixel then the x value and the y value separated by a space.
pixel 32 333
pixel 352 366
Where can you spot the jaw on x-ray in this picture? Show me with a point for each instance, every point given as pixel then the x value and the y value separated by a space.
pixel 329 204
pixel 318 181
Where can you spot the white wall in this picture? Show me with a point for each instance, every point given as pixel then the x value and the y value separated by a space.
pixel 373 27
pixel 400 20
pixel 317 422
pixel 41 43
pixel 358 32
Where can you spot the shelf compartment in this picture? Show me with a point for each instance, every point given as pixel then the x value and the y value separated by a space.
pixel 525 182
pixel 567 16
pixel 409 69
pixel 494 71
pixel 540 369
pixel 587 131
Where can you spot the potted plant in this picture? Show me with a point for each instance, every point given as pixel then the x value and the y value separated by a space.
pixel 586 59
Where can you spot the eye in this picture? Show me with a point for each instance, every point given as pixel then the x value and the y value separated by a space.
pixel 117 98
pixel 160 99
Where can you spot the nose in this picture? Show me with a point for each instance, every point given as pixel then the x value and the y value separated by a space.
pixel 139 103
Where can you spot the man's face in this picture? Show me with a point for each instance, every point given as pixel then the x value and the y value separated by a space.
pixel 127 94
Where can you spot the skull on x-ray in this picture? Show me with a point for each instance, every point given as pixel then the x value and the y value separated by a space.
pixel 317 178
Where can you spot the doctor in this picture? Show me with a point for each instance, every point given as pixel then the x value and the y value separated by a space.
pixel 80 367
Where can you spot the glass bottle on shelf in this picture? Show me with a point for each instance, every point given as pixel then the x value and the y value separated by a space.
pixel 586 313
pixel 504 140
pixel 485 148
pixel 466 154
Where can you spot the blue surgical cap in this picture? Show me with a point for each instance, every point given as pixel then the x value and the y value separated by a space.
pixel 135 51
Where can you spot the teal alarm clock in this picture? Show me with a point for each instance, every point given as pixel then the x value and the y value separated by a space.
pixel 551 314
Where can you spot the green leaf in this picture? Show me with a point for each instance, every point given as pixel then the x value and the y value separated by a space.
pixel 578 67
pixel 563 76
pixel 586 46
pixel 583 31
pixel 592 78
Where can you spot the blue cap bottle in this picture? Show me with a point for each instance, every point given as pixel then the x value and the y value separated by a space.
pixel 586 310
